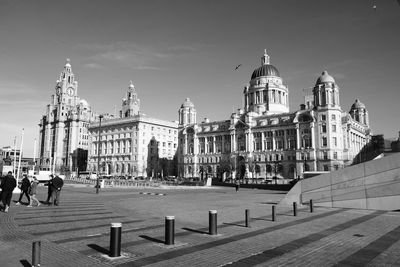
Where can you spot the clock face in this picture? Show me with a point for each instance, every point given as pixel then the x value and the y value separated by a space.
pixel 70 91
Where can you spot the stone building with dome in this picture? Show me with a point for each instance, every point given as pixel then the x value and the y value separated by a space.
pixel 263 139
pixel 63 133
pixel 133 144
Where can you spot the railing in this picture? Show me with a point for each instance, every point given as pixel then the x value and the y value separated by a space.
pixel 117 183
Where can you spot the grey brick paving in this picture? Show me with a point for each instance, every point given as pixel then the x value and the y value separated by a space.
pixel 77 232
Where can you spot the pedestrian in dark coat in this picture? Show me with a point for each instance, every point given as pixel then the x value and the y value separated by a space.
pixel 7 187
pixel 237 185
pixel 56 189
pixel 25 186
pixel 49 185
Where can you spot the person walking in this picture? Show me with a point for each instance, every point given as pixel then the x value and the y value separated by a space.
pixel 56 189
pixel 33 191
pixel 25 186
pixel 237 185
pixel 7 187
pixel 49 186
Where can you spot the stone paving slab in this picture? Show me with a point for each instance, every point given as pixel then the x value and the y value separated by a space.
pixel 76 233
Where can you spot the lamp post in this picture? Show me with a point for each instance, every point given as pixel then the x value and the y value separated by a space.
pixel 304 154
pixel 98 157
pixel 250 162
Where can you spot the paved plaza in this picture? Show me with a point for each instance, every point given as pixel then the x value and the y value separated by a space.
pixel 77 233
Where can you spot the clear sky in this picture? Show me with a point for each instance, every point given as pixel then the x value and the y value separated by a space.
pixel 174 49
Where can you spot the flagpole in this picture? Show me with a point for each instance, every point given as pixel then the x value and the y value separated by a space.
pixel 34 155
pixel 54 164
pixel 20 154
pixel 14 160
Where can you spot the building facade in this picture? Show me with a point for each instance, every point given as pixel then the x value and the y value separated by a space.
pixel 133 144
pixel 63 134
pixel 264 139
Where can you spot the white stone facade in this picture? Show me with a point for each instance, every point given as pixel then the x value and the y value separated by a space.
pixel 134 144
pixel 63 134
pixel 264 139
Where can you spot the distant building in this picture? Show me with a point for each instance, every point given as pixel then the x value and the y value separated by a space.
pixel 265 139
pixel 63 134
pixel 134 144
pixel 395 145
pixel 7 159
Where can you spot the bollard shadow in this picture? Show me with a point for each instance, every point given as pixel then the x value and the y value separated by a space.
pixel 261 219
pixel 235 224
pixel 269 203
pixel 25 263
pixel 195 231
pixel 152 239
pixel 99 249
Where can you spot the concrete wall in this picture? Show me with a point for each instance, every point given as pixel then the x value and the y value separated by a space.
pixel 370 185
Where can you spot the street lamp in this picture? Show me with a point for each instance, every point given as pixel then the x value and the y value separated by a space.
pixel 250 162
pixel 98 157
pixel 304 155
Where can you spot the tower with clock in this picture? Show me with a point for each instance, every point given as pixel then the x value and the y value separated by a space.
pixel 63 129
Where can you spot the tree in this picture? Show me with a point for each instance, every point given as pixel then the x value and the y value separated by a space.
pixel 224 166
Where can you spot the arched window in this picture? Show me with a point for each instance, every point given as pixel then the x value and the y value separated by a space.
pixel 306 167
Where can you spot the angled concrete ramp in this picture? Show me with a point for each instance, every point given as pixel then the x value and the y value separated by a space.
pixel 371 185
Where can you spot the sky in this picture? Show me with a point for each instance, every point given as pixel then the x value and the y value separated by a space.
pixel 174 49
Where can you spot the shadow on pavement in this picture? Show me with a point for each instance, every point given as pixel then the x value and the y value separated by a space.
pixel 262 219
pixel 152 239
pixel 99 249
pixel 235 224
pixel 195 231
pixel 25 263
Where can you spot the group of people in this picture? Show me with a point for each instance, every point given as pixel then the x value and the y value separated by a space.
pixel 28 188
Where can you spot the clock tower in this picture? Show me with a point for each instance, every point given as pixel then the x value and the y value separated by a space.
pixel 63 129
pixel 67 87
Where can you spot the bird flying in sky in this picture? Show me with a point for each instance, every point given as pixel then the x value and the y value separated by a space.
pixel 238 66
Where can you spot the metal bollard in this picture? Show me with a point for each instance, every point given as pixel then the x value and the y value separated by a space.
pixel 169 230
pixel 273 213
pixel 115 240
pixel 247 217
pixel 311 206
pixel 212 222
pixel 36 253
pixel 294 209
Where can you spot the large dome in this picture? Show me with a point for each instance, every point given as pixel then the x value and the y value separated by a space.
pixel 325 78
pixel 358 105
pixel 187 104
pixel 265 70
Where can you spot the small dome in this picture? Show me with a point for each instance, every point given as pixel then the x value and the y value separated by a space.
pixel 131 86
pixel 265 70
pixel 358 105
pixel 84 103
pixel 68 64
pixel 187 104
pixel 325 78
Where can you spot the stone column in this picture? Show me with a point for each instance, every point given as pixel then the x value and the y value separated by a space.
pixel 233 141
pixel 314 155
pixel 262 141
pixel 273 141
pixel 297 136
pixel 185 149
pixel 213 143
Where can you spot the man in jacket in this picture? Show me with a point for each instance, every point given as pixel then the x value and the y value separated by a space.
pixel 49 188
pixel 55 190
pixel 25 186
pixel 7 187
